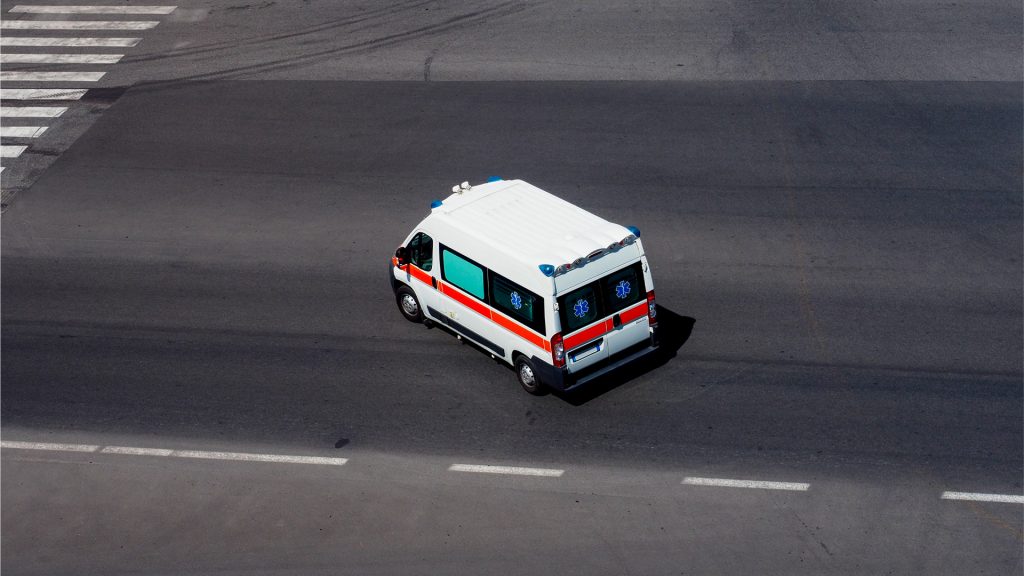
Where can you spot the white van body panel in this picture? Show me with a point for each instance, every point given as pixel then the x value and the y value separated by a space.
pixel 512 228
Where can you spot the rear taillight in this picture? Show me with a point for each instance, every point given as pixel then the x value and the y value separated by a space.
pixel 557 351
pixel 652 310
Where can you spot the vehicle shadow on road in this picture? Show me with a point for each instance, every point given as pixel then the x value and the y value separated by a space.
pixel 673 330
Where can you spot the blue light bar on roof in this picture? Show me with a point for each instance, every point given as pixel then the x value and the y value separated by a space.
pixel 494 179
pixel 435 204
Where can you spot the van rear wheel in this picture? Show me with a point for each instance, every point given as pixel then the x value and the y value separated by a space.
pixel 409 304
pixel 527 376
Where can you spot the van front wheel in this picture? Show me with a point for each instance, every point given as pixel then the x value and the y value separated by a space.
pixel 528 376
pixel 408 304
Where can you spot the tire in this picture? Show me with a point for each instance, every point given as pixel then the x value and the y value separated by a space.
pixel 408 304
pixel 527 376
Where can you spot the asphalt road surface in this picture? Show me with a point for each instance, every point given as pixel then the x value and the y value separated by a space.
pixel 200 278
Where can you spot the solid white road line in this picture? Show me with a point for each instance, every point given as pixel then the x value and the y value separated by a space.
pixel 78 24
pixel 32 111
pixel 167 453
pixel 22 131
pixel 245 457
pixel 516 470
pixel 49 446
pixel 41 94
pixel 94 9
pixel 51 76
pixel 61 58
pixel 66 42
pixel 1007 498
pixel 132 451
pixel 728 483
pixel 11 151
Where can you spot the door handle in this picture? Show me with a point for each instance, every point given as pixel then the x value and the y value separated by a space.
pixel 433 282
pixel 616 321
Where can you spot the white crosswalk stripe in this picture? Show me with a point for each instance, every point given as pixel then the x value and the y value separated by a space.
pixel 69 42
pixel 41 94
pixel 60 58
pixel 32 111
pixel 94 9
pixel 22 131
pixel 11 151
pixel 78 24
pixel 32 65
pixel 51 76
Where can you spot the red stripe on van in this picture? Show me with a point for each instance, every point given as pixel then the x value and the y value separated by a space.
pixel 599 329
pixel 587 334
pixel 478 307
pixel 514 327
pixel 630 314
pixel 466 300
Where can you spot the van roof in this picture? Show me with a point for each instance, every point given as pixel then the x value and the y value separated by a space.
pixel 526 223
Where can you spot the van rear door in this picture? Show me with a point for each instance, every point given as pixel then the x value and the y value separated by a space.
pixel 604 317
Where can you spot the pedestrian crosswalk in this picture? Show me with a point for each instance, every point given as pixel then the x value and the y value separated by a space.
pixel 47 43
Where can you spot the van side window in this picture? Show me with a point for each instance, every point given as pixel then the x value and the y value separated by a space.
pixel 517 302
pixel 463 273
pixel 421 251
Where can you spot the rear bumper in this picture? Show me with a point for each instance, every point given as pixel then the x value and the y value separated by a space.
pixel 562 379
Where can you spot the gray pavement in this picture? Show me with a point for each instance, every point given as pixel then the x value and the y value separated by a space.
pixel 830 195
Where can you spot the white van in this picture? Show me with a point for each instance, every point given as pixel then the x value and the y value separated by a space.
pixel 560 294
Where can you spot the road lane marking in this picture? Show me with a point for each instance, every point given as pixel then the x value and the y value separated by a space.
pixel 247 457
pixel 32 111
pixel 78 24
pixel 49 446
pixel 168 453
pixel 41 94
pixel 22 131
pixel 11 151
pixel 133 451
pixel 761 484
pixel 977 497
pixel 70 42
pixel 51 76
pixel 515 470
pixel 94 9
pixel 60 58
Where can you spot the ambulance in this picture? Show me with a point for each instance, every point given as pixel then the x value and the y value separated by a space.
pixel 561 295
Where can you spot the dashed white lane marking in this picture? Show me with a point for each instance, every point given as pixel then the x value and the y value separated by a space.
pixel 32 111
pixel 51 76
pixel 41 93
pixel 78 24
pixel 1006 498
pixel 49 446
pixel 11 151
pixel 22 131
pixel 60 58
pixel 163 452
pixel 729 483
pixel 132 451
pixel 94 9
pixel 515 470
pixel 70 42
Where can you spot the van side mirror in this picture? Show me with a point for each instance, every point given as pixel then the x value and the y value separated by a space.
pixel 403 256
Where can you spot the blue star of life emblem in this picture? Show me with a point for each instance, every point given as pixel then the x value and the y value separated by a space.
pixel 581 308
pixel 517 300
pixel 622 289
